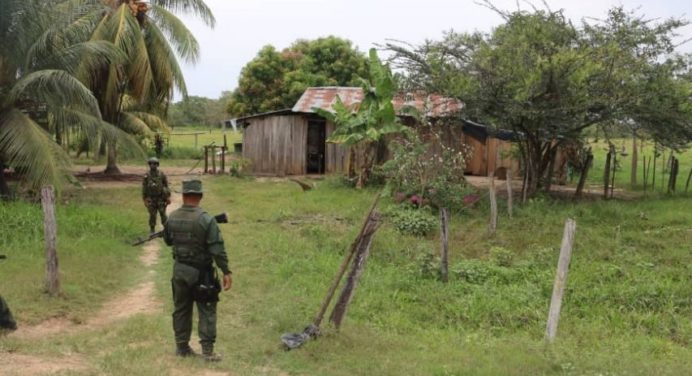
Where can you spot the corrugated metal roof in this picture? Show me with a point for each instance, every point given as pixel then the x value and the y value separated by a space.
pixel 432 105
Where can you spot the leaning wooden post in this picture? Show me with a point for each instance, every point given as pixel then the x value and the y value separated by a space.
pixel 223 157
pixel 52 282
pixel 492 226
pixel 444 243
pixel 689 176
pixel 635 159
pixel 360 257
pixel 560 279
pixel 509 192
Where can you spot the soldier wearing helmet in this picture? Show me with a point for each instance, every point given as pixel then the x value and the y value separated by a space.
pixel 155 193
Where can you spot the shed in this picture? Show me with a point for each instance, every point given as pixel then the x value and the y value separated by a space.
pixel 293 141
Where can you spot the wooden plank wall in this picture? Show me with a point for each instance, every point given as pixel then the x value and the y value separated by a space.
pixel 276 144
pixel 337 155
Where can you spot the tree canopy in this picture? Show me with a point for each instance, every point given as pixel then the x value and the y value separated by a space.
pixel 275 79
pixel 549 80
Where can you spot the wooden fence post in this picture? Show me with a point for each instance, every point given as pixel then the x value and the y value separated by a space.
pixel 492 226
pixel 606 174
pixel 635 159
pixel 444 242
pixel 560 279
pixel 206 159
pixel 689 176
pixel 213 159
pixel 52 282
pixel 509 191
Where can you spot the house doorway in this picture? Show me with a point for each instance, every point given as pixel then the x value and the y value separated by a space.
pixel 316 146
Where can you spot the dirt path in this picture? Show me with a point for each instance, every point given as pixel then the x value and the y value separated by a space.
pixel 140 300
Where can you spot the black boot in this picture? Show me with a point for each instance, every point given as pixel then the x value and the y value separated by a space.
pixel 184 350
pixel 208 353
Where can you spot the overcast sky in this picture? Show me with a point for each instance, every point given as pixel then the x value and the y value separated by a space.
pixel 245 26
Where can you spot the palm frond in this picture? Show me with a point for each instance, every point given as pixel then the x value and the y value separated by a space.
pixel 56 87
pixel 134 125
pixel 153 122
pixel 25 145
pixel 196 7
pixel 177 33
pixel 167 72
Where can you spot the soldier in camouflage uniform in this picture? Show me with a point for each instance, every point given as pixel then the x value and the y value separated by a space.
pixel 155 193
pixel 197 242
pixel 6 319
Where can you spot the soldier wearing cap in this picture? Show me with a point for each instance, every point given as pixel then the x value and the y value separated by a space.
pixel 197 244
pixel 155 193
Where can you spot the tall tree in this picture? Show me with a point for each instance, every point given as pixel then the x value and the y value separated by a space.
pixel 39 93
pixel 549 80
pixel 275 80
pixel 134 95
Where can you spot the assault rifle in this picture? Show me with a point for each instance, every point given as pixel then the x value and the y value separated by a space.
pixel 220 218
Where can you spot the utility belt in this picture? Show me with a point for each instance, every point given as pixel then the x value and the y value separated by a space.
pixel 208 286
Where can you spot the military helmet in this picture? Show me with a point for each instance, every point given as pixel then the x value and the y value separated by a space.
pixel 192 187
pixel 153 160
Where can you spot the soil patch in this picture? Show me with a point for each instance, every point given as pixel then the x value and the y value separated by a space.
pixel 27 365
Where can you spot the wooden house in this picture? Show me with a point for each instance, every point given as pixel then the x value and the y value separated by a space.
pixel 293 141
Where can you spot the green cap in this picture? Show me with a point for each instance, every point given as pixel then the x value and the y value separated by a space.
pixel 192 187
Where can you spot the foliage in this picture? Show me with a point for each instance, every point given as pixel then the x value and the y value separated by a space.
pixel 625 309
pixel 237 166
pixel 41 97
pixel 540 75
pixel 194 110
pixel 431 171
pixel 413 221
pixel 274 80
pixel 363 124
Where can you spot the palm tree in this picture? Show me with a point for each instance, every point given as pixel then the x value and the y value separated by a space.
pixel 39 93
pixel 149 36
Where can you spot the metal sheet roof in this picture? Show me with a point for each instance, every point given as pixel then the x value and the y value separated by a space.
pixel 432 105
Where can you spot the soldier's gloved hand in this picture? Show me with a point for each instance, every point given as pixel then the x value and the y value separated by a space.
pixel 227 282
pixel 168 201
pixel 147 202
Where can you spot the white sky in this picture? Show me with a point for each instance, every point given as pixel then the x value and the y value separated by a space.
pixel 245 26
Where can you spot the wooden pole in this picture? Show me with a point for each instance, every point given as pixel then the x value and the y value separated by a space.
pixel 360 257
pixel 653 172
pixel 689 176
pixel 52 282
pixel 444 243
pixel 584 174
pixel 206 159
pixel 344 264
pixel 213 159
pixel 644 172
pixel 606 174
pixel 560 279
pixel 492 226
pixel 613 172
pixel 509 192
pixel 223 156
pixel 635 160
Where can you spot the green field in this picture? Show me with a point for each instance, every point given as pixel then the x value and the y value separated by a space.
pixel 627 306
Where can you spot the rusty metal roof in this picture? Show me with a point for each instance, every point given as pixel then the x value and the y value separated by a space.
pixel 432 105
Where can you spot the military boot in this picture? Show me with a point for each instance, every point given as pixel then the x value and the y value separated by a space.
pixel 184 350
pixel 152 230
pixel 209 355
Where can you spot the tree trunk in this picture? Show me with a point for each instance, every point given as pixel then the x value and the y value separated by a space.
pixel 52 282
pixel 111 165
pixel 509 191
pixel 635 159
pixel 492 226
pixel 583 175
pixel 644 172
pixel 552 152
pixel 613 172
pixel 689 176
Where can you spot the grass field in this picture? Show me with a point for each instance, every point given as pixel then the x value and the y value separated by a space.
pixel 627 307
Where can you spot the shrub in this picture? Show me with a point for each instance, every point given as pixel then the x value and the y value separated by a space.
pixel 502 256
pixel 413 221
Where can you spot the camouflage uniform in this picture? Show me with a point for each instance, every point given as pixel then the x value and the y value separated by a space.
pixel 156 194
pixel 6 319
pixel 196 241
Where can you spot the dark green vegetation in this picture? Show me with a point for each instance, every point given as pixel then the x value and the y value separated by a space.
pixel 626 308
pixel 274 80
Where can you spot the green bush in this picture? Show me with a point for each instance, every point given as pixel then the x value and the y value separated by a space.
pixel 413 221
